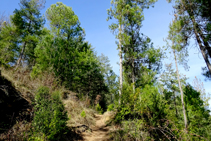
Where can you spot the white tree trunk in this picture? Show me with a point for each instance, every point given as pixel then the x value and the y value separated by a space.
pixel 182 99
pixel 120 63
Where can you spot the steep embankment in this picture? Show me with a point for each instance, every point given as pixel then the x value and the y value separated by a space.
pixel 13 107
pixel 11 103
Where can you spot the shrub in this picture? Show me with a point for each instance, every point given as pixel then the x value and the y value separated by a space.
pixel 50 118
pixel 83 114
pixel 110 107
pixel 99 109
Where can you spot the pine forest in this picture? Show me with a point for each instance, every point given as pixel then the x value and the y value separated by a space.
pixel 55 85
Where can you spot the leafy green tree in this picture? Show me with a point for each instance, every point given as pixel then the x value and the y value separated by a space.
pixel 65 53
pixel 136 46
pixel 28 24
pixel 8 45
pixel 198 117
pixel 64 22
pixel 129 15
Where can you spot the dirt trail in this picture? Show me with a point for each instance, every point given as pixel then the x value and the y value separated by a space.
pixel 100 132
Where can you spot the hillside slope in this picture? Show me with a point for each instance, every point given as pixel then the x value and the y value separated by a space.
pixel 17 92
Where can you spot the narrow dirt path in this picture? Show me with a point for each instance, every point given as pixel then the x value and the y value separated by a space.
pixel 100 132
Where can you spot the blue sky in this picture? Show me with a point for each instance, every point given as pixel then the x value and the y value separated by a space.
pixel 92 15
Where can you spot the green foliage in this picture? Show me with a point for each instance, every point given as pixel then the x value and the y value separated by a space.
pixel 50 118
pixel 8 44
pixel 64 22
pixel 67 55
pixel 133 130
pixel 28 24
pixel 83 114
pixel 34 138
pixel 187 13
pixel 99 109
pixel 110 107
pixel 198 116
pixel 147 107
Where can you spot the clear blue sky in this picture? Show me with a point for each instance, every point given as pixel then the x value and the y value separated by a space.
pixel 92 15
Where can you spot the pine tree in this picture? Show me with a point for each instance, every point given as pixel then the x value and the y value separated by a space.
pixel 64 52
pixel 195 22
pixel 177 49
pixel 116 11
pixel 28 22
pixel 129 16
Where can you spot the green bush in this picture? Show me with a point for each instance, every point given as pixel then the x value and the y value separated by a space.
pixel 99 109
pixel 83 114
pixel 110 107
pixel 50 118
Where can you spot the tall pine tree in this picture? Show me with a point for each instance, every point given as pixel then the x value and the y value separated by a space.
pixel 28 22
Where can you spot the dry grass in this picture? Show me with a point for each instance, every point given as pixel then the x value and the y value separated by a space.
pixel 23 82
pixel 74 110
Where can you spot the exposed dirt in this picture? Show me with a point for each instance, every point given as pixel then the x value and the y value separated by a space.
pixel 100 132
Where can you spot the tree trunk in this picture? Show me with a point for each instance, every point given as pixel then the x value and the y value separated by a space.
pixel 23 49
pixel 133 76
pixel 196 26
pixel 205 50
pixel 21 55
pixel 120 63
pixel 133 65
pixel 182 99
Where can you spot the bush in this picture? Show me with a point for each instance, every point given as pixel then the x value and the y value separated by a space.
pixel 50 118
pixel 145 107
pixel 83 114
pixel 99 109
pixel 110 107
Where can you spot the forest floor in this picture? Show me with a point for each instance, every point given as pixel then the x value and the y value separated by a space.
pixel 100 132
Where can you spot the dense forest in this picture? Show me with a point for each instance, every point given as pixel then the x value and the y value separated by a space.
pixel 51 78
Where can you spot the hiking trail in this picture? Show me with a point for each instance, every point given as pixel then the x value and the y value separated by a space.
pixel 100 132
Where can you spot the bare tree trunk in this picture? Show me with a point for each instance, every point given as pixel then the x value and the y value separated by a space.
pixel 133 76
pixel 23 49
pixel 120 63
pixel 182 99
pixel 21 55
